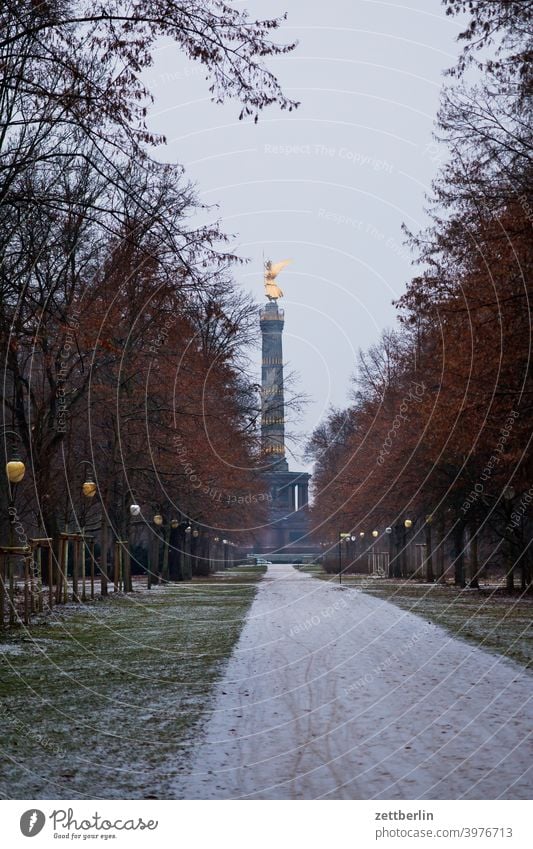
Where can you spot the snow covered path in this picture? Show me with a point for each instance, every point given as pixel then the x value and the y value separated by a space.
pixel 331 693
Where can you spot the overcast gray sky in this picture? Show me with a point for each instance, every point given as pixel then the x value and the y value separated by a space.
pixel 330 184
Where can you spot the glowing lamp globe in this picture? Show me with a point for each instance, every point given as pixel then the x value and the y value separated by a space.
pixel 89 489
pixel 15 470
pixel 375 534
pixel 158 519
pixel 135 510
pixel 408 523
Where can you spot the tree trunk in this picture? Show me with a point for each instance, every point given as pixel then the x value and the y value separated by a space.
pixel 474 560
pixel 440 552
pixel 429 555
pixel 187 559
pixel 395 548
pixel 166 541
pixel 173 555
pixel 51 529
pixel 404 560
pixel 525 573
pixel 459 555
pixel 128 585
pixel 509 575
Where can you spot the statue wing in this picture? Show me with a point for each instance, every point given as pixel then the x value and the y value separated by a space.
pixel 276 267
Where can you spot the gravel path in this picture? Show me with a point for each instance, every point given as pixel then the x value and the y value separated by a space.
pixel 331 693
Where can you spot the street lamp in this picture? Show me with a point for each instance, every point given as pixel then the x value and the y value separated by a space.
pixel 135 510
pixel 375 534
pixel 15 470
pixel 388 531
pixel 408 524
pixel 159 522
pixel 193 540
pixel 429 550
pixel 89 487
pixel 343 537
pixel 89 490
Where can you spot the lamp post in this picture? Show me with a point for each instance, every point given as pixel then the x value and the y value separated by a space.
pixel 89 490
pixel 508 495
pixel 429 550
pixel 135 512
pixel 408 524
pixel 166 528
pixel 389 532
pixel 153 571
pixel 194 550
pixel 343 537
pixel 353 550
pixel 375 557
pixel 188 552
pixel 166 541
pixel 15 471
pixel 216 541
pixel 361 545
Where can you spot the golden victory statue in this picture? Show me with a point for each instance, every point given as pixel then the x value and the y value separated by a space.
pixel 273 292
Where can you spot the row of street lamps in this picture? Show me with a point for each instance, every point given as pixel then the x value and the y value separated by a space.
pixel 16 469
pixel 89 490
pixel 352 537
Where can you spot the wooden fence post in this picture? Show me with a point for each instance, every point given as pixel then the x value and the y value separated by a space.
pixel 127 570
